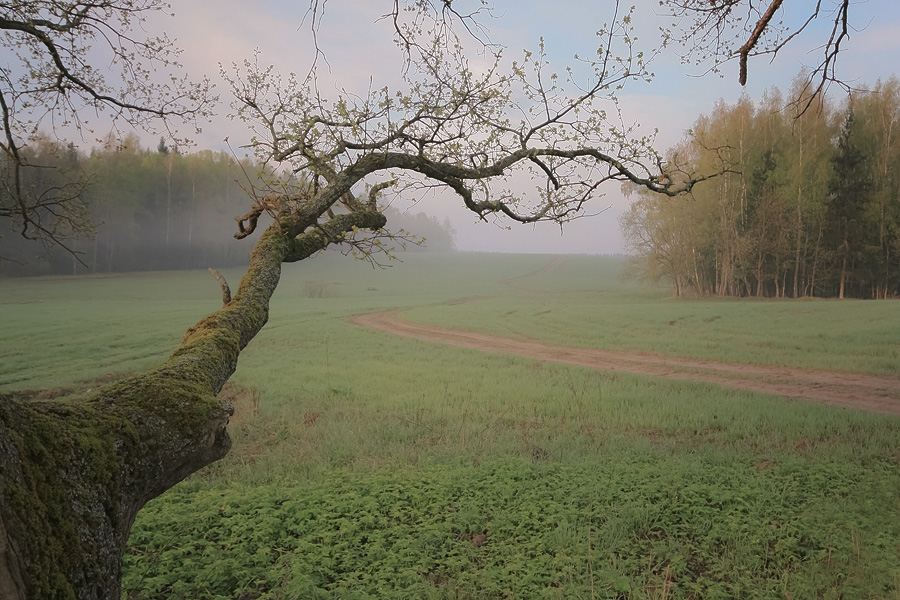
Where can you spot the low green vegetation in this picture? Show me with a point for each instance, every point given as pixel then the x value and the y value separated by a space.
pixel 582 303
pixel 372 466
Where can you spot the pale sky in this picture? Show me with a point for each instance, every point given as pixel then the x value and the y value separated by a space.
pixel 358 48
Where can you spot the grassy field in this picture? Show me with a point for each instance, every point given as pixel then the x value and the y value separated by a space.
pixel 372 466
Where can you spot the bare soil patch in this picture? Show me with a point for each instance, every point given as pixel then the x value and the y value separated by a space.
pixel 873 393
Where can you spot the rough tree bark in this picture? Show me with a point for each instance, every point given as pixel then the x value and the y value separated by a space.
pixel 73 475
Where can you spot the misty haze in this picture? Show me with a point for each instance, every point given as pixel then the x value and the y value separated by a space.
pixel 455 299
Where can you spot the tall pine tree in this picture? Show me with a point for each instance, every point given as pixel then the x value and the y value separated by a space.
pixel 849 192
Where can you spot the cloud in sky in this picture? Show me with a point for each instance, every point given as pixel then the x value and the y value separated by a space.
pixel 358 49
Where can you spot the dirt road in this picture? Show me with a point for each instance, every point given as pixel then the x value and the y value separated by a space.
pixel 865 392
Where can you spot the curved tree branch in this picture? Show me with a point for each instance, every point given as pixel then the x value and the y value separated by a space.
pixel 725 30
pixel 73 475
pixel 51 79
pixel 751 42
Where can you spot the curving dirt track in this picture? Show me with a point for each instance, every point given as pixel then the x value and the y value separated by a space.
pixel 871 393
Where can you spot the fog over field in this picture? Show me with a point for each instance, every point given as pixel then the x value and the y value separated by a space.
pixel 223 376
pixel 685 452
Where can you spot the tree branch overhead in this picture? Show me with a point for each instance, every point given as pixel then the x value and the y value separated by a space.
pixel 54 82
pixel 512 140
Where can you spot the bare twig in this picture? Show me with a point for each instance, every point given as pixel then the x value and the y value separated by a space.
pixel 226 291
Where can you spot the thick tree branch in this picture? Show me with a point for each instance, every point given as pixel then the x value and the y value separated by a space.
pixel 751 42
pixel 73 475
pixel 333 232
pixel 725 30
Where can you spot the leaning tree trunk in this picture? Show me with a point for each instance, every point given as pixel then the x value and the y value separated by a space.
pixel 74 474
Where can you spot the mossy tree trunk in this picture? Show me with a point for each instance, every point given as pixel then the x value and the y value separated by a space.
pixel 73 474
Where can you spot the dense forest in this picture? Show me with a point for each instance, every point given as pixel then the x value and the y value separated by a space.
pixel 809 205
pixel 158 209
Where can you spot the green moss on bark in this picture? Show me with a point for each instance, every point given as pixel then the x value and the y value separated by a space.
pixel 61 495
pixel 73 474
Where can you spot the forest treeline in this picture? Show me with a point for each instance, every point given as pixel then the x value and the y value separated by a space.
pixel 809 205
pixel 157 209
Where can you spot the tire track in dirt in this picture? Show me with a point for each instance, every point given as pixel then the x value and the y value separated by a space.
pixel 873 393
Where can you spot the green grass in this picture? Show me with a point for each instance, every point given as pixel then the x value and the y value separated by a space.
pixel 366 465
pixel 581 303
